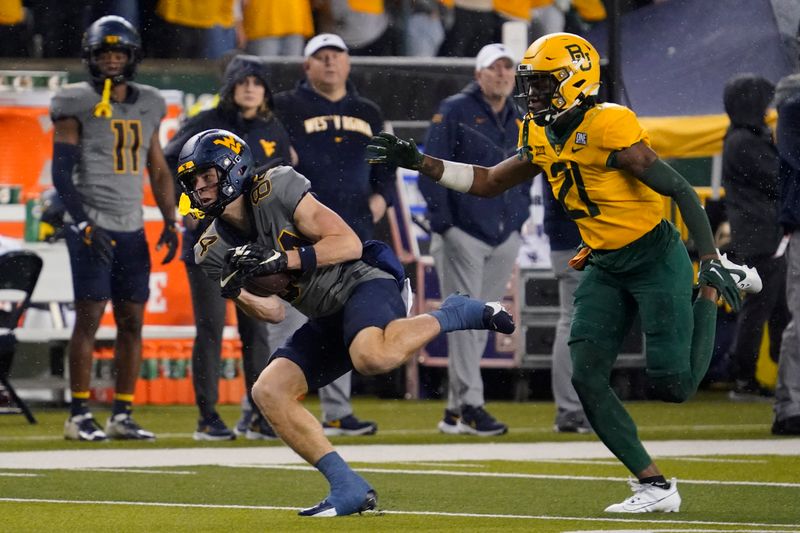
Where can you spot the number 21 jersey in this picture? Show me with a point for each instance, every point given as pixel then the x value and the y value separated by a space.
pixel 611 207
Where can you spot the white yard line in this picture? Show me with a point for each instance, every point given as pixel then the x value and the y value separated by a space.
pixel 513 475
pixel 94 457
pixel 637 520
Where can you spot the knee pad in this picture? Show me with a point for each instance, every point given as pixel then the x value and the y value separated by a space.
pixel 674 388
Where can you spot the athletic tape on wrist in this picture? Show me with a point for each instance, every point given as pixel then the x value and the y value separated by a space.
pixel 457 176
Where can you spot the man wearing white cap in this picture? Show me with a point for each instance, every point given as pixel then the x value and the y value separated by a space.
pixel 330 125
pixel 476 240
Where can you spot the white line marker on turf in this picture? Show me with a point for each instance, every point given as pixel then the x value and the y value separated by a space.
pixel 140 471
pixel 520 476
pixel 775 527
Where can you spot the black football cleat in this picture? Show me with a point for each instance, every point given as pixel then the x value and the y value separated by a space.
pixel 325 509
pixel 496 318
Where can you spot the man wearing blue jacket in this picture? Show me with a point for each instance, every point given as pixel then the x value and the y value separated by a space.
pixel 476 240
pixel 330 125
pixel 787 387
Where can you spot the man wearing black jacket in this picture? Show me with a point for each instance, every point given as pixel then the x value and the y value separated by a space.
pixel 750 177
pixel 787 388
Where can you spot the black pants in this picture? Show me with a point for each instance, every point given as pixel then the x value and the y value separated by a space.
pixel 209 319
pixel 768 306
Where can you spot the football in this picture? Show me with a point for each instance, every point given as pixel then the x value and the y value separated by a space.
pixel 268 285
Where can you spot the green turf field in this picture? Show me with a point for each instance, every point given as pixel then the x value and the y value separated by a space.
pixel 432 488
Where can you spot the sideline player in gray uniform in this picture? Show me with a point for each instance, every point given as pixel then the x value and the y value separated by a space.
pixel 268 223
pixel 105 132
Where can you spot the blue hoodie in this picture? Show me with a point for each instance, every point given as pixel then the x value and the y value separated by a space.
pixel 465 129
pixel 331 140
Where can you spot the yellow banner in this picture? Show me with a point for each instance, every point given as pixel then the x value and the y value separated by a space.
pixel 686 137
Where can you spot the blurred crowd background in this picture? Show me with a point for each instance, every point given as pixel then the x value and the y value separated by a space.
pixel 208 29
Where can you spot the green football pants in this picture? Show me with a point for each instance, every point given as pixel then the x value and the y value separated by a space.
pixel 652 276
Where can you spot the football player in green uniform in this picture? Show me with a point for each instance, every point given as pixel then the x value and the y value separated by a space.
pixel 598 161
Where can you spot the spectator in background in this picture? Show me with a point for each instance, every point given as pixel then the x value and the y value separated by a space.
pixel 547 16
pixel 474 26
pixel 245 108
pixel 424 28
pixel 787 389
pixel 475 240
pixel 98 171
pixel 564 239
pixel 750 177
pixel 329 125
pixel 277 27
pixel 195 29
pixel 364 26
pixel 61 25
pixel 14 32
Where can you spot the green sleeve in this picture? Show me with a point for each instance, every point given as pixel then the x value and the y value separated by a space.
pixel 665 180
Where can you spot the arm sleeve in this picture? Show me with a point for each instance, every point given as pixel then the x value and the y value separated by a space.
pixel 665 180
pixel 65 156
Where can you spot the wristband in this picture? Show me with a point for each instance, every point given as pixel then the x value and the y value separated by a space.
pixel 457 176
pixel 308 259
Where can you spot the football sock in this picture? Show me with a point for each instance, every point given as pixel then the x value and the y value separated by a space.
pixel 79 404
pixel 658 481
pixel 460 312
pixel 348 489
pixel 122 404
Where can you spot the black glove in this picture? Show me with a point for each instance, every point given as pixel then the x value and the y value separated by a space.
pixel 231 282
pixel 389 149
pixel 168 238
pixel 97 239
pixel 256 260
pixel 712 273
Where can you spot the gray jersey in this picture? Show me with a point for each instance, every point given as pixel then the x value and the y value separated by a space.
pixel 273 199
pixel 109 175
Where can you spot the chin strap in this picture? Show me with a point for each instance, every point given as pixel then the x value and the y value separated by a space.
pixel 524 152
pixel 103 107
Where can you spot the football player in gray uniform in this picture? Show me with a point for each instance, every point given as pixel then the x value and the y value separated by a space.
pixel 356 296
pixel 105 131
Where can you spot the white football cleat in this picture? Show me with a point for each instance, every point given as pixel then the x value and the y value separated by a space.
pixel 648 498
pixel 747 278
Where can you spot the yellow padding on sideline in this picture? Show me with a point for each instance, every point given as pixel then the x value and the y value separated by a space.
pixel 766 369
pixel 693 136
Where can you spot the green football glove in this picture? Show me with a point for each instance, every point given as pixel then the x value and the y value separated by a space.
pixel 712 273
pixel 391 150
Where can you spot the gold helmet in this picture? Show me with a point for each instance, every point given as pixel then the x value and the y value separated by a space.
pixel 559 70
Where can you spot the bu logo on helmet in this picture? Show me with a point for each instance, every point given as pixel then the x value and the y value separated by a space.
pixel 579 57
pixel 229 142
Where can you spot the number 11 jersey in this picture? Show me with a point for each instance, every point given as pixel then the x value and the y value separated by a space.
pixel 110 173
